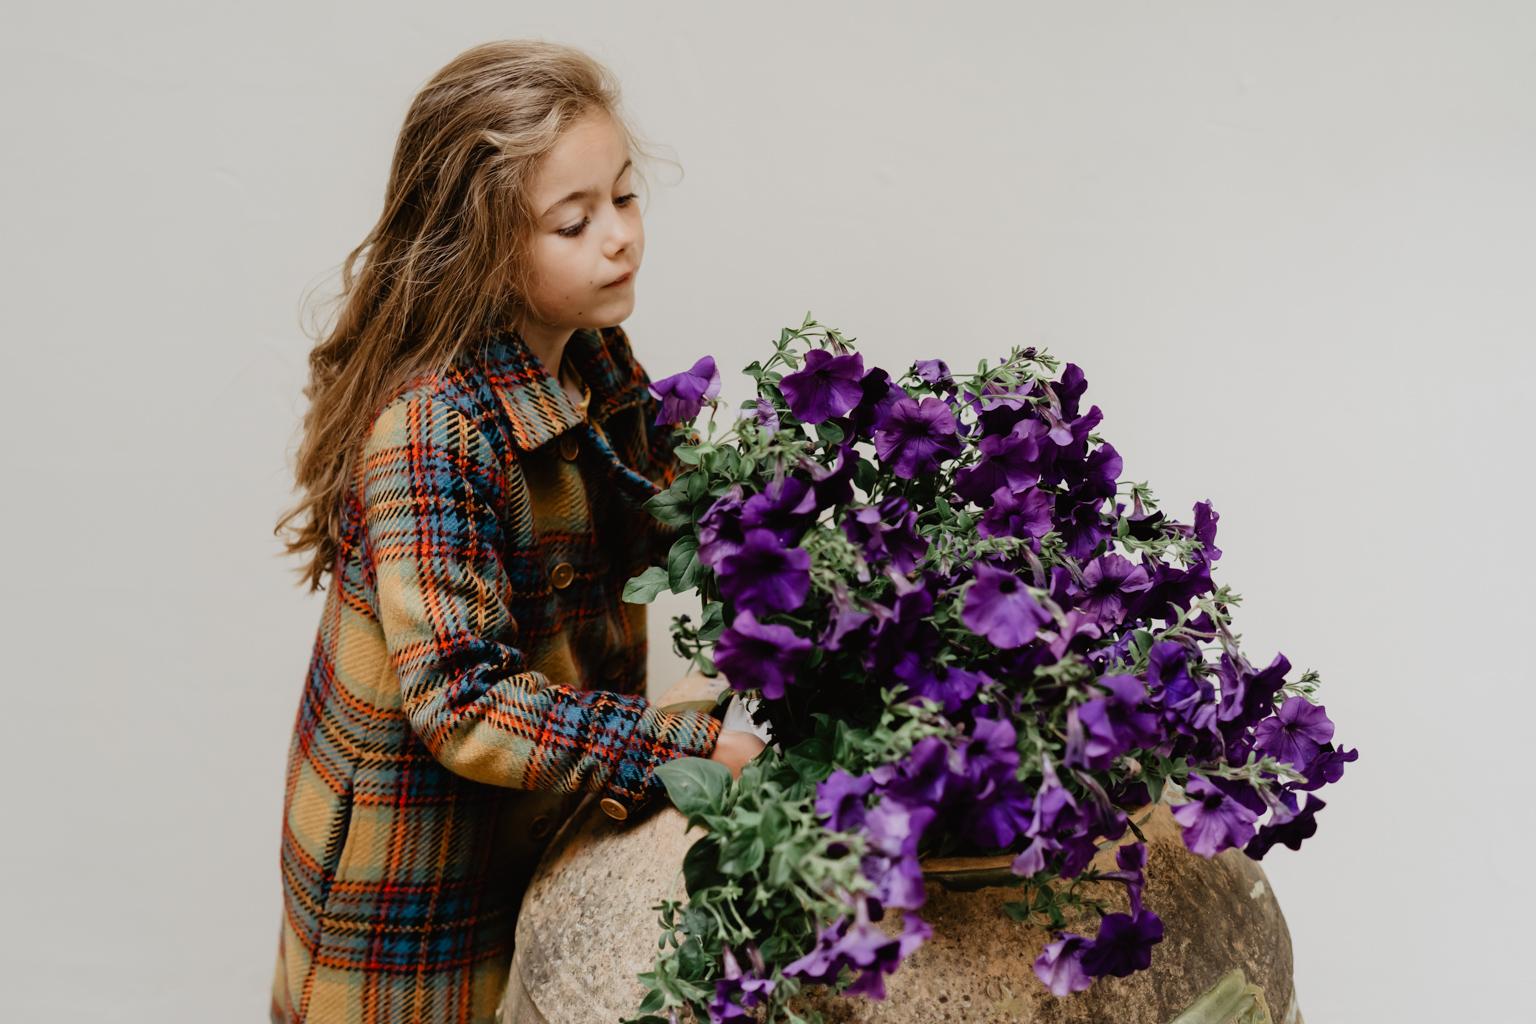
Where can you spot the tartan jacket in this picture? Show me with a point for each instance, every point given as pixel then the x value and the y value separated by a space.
pixel 474 675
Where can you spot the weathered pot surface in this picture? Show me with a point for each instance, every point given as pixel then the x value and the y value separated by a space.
pixel 588 926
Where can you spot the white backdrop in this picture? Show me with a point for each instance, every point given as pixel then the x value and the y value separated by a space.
pixel 1291 245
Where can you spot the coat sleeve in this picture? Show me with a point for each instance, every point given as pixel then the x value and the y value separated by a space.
pixel 432 485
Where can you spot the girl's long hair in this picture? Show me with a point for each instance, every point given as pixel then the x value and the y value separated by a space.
pixel 446 261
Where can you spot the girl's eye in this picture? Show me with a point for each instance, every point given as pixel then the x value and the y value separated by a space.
pixel 576 229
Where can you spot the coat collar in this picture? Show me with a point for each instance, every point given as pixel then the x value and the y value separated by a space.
pixel 536 404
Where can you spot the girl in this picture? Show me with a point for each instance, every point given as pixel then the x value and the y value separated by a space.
pixel 479 440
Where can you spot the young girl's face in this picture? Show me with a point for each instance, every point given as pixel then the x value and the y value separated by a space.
pixel 584 243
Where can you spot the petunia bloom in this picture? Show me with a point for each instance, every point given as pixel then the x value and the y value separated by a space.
pixel 915 437
pixel 758 654
pixel 1299 826
pixel 684 394
pixel 1124 944
pixel 738 991
pixel 1295 733
pixel 1060 964
pixel 765 576
pixel 826 386
pixel 999 607
pixel 1212 820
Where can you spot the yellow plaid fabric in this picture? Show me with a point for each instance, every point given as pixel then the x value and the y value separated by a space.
pixel 473 674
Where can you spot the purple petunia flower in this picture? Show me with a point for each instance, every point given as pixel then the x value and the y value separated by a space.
pixel 1247 696
pixel 1205 530
pixel 1060 964
pixel 765 415
pixel 684 394
pixel 894 828
pixel 886 533
pixel 950 685
pixel 846 617
pixel 786 506
pixel 1132 860
pixel 925 776
pixel 878 393
pixel 719 528
pixel 1077 630
pixel 1187 702
pixel 764 576
pixel 999 607
pixel 840 800
pixel 934 371
pixel 833 485
pixel 1124 944
pixel 1012 459
pixel 862 947
pixel 825 387
pixel 737 992
pixel 1102 728
pixel 1299 826
pixel 756 654
pixel 914 437
pixel 1212 820
pixel 1106 580
pixel 1295 733
pixel 1327 767
pixel 999 807
pixel 1022 513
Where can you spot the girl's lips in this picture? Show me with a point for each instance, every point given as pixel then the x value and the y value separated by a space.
pixel 620 280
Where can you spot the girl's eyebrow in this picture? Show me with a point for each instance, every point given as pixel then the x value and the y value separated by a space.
pixel 587 191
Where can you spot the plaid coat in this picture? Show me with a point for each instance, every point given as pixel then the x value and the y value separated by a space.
pixel 474 675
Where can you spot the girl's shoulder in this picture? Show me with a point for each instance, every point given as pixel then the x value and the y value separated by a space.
pixel 502 388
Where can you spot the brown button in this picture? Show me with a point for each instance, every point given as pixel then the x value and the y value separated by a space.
pixel 542 826
pixel 613 808
pixel 569 448
pixel 561 575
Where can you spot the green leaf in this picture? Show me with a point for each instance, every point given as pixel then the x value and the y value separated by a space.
pixel 742 855
pixel 643 589
pixel 714 620
pixel 672 506
pixel 829 432
pixel 696 785
pixel 689 454
pixel 780 867
pixel 683 564
pixel 775 825
pixel 699 865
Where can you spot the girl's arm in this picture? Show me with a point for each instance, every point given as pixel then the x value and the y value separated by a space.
pixel 431 486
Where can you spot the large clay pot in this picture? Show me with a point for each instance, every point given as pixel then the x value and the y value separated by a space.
pixel 587 927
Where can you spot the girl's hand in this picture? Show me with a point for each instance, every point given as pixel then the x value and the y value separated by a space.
pixel 734 748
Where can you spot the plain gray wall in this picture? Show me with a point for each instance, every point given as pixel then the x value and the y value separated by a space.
pixel 1290 244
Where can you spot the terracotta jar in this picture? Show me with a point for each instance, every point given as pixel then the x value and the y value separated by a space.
pixel 588 926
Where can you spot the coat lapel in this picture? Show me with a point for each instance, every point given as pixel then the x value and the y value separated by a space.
pixel 537 406
pixel 539 410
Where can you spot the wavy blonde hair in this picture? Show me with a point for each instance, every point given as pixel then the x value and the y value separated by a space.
pixel 447 259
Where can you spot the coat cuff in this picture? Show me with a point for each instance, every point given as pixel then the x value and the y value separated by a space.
pixel 661 736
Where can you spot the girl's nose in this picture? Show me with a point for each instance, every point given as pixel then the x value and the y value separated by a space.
pixel 623 238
